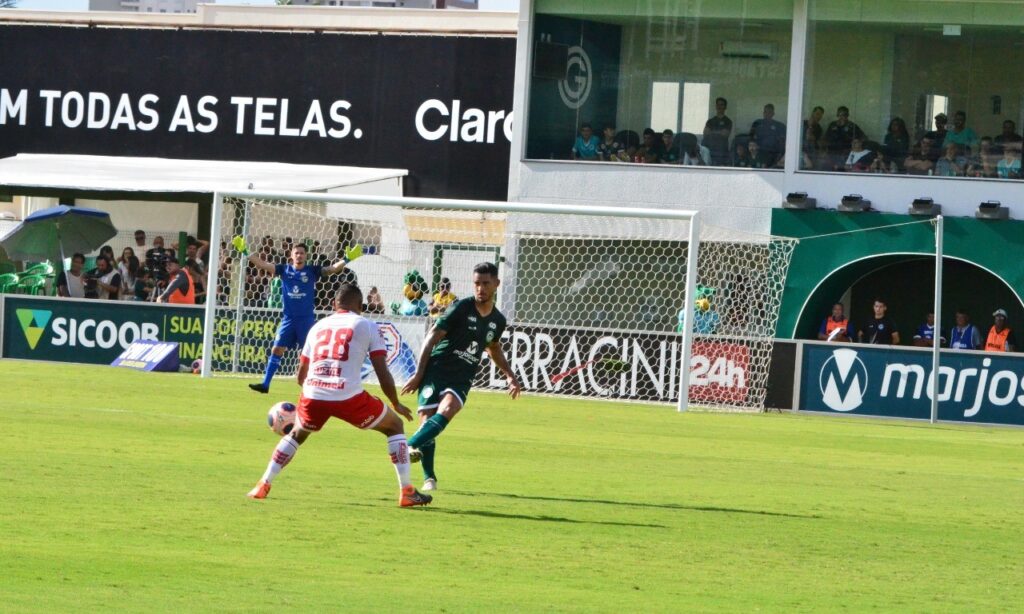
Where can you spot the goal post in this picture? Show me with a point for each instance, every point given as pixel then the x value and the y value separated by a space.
pixel 594 296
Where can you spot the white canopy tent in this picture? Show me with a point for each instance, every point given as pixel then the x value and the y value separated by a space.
pixel 163 195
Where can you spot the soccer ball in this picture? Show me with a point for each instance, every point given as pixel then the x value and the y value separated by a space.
pixel 197 366
pixel 281 418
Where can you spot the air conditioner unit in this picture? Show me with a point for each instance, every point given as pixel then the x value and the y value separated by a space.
pixel 744 49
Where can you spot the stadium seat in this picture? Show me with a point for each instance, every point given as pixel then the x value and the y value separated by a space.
pixel 34 285
pixel 42 269
pixel 8 283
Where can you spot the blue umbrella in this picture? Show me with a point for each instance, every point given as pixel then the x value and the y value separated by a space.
pixel 50 233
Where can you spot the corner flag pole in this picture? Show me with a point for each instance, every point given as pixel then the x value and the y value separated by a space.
pixel 689 309
pixel 937 333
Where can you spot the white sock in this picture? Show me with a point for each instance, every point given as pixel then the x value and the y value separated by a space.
pixel 398 448
pixel 283 453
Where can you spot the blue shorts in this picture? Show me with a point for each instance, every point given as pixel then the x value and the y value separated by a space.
pixel 292 332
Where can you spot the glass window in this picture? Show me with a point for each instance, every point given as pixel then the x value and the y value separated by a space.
pixel 689 83
pixel 914 87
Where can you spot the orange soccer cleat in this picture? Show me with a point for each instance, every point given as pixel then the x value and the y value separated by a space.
pixel 260 491
pixel 410 497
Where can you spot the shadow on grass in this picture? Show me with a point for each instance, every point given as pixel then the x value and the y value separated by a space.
pixel 499 515
pixel 666 506
pixel 503 516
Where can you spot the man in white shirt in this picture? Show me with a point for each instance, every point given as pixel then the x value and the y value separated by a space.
pixel 330 375
pixel 71 283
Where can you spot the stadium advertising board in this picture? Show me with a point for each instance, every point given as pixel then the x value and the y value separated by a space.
pixel 440 107
pixel 865 380
pixel 97 332
pixel 90 331
pixel 619 365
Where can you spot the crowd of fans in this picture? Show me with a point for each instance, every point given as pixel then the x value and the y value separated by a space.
pixel 142 272
pixel 880 330
pixel 947 151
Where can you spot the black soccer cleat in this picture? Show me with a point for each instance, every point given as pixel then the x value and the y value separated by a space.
pixel 411 497
pixel 260 388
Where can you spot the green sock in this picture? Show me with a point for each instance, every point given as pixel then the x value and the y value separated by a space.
pixel 427 460
pixel 429 430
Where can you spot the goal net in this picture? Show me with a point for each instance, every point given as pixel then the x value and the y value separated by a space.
pixel 593 303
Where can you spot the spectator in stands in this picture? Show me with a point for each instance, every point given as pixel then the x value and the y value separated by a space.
pixel 985 162
pixel 1009 136
pixel 836 327
pixel 1009 166
pixel 374 302
pixel 960 134
pixel 140 240
pixel 925 335
pixel 129 270
pixel 442 298
pixel 880 330
pixel 717 132
pixel 757 159
pixel 71 283
pixel 741 155
pixel 180 287
pixel 897 142
pixel 585 147
pixel 770 136
pixel 108 252
pixel 919 161
pixel 813 143
pixel 156 256
pixel 651 149
pixel 144 286
pixel 122 262
pixel 859 159
pixel 964 335
pixel 839 137
pixel 103 282
pixel 671 155
pixel 693 153
pixel 952 163
pixel 937 136
pixel 1000 336
pixel 610 147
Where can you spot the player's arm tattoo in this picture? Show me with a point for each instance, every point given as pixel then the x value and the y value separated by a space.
pixel 435 337
pixel 498 356
pixel 337 267
pixel 261 264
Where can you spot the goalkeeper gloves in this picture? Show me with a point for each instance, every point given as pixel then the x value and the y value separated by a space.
pixel 239 243
pixel 353 252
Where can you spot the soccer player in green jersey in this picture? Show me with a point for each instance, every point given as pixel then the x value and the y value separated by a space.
pixel 449 361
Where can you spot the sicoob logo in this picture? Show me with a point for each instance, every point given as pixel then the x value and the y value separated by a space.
pixel 33 324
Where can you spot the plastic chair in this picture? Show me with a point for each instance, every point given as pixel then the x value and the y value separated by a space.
pixel 34 285
pixel 8 283
pixel 42 269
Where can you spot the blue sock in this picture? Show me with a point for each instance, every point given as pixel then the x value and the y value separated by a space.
pixel 427 460
pixel 272 366
pixel 429 430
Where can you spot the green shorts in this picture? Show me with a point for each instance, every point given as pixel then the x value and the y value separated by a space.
pixel 433 389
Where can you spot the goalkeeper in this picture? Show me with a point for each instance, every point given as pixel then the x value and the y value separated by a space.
pixel 298 281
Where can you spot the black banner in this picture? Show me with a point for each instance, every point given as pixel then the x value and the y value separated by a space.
pixel 437 106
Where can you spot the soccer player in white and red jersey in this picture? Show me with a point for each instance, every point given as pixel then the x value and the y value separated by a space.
pixel 329 373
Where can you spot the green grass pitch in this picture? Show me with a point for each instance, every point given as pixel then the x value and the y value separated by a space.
pixel 125 491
